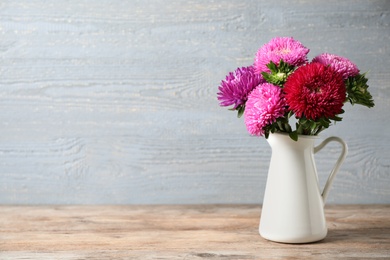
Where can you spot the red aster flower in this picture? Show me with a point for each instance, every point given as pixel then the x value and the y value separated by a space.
pixel 314 91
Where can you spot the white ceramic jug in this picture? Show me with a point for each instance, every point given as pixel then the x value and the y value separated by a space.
pixel 293 206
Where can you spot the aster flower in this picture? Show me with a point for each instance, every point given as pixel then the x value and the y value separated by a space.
pixel 282 84
pixel 287 49
pixel 340 64
pixel 315 91
pixel 264 106
pixel 234 90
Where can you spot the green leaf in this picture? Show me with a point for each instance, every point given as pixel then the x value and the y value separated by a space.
pixel 294 135
pixel 324 122
pixel 313 127
pixel 272 66
pixel 320 128
pixel 280 125
pixel 337 118
pixel 302 121
pixel 288 128
pixel 278 73
pixel 357 91
pixel 290 113
pixel 240 111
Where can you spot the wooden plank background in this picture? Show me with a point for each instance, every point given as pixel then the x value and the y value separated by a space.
pixel 114 101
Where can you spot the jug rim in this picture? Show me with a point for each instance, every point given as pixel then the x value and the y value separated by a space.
pixel 299 136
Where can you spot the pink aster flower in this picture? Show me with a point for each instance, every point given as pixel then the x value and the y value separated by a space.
pixel 280 48
pixel 340 64
pixel 314 91
pixel 234 90
pixel 265 104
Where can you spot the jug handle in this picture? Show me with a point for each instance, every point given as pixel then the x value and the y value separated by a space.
pixel 339 161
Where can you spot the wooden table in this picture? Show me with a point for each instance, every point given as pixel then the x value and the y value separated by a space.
pixel 181 232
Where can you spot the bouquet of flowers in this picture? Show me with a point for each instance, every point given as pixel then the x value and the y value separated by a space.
pixel 282 83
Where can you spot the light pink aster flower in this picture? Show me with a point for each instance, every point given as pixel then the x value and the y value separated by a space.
pixel 234 90
pixel 340 64
pixel 265 104
pixel 287 49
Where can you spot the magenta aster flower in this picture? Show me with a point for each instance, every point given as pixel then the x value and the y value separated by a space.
pixel 287 49
pixel 234 90
pixel 314 91
pixel 265 104
pixel 340 64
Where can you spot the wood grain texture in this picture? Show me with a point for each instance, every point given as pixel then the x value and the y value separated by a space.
pixel 114 101
pixel 181 232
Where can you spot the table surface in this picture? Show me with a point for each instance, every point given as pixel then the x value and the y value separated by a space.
pixel 182 232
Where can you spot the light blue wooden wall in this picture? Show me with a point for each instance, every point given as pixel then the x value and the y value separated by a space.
pixel 114 101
